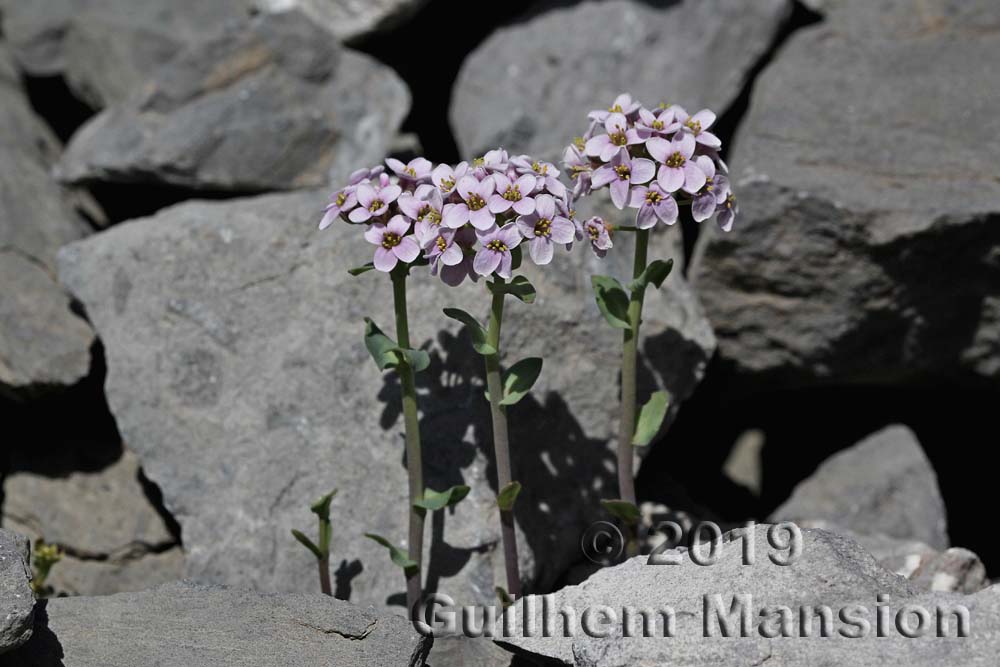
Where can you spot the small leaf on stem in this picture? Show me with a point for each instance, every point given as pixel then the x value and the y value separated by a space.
pixel 358 270
pixel 476 331
pixel 519 288
pixel 321 507
pixel 508 496
pixel 655 274
pixel 519 379
pixel 381 347
pixel 622 509
pixel 612 300
pixel 417 359
pixel 435 500
pixel 503 596
pixel 651 418
pixel 398 556
pixel 307 543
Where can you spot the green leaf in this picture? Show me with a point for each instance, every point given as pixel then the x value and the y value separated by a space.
pixel 307 543
pixel 508 496
pixel 398 556
pixel 476 331
pixel 515 258
pixel 321 507
pixel 505 599
pixel 655 273
pixel 612 300
pixel 382 348
pixel 435 500
pixel 358 270
pixel 651 418
pixel 417 359
pixel 519 379
pixel 520 288
pixel 622 509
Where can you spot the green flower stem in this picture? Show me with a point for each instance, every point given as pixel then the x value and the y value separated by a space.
pixel 414 458
pixel 630 348
pixel 501 445
pixel 324 575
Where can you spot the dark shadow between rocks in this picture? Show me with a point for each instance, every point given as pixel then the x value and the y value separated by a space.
pixel 42 650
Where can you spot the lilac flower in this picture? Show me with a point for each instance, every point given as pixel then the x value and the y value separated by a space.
pixel 445 178
pixel 494 250
pixel 653 203
pixel 543 228
pixel 623 104
pixel 374 201
pixel 678 170
pixel 423 204
pixel 714 192
pixel 441 247
pixel 447 256
pixel 596 231
pixel 418 169
pixel 729 210
pixel 514 195
pixel 342 201
pixel 622 172
pixel 546 174
pixel 697 126
pixel 365 174
pixel 495 160
pixel 473 208
pixel 393 244
pixel 619 135
pixel 652 125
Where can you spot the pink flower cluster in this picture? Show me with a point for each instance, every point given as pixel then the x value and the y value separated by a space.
pixel 465 221
pixel 653 160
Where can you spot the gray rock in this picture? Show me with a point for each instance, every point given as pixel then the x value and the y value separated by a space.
pixel 106 48
pixel 42 343
pixel 695 53
pixel 199 304
pixel 350 19
pixel 882 485
pixel 269 104
pixel 829 570
pixel 17 601
pixel 187 624
pixel 955 570
pixel 462 651
pixel 835 274
pixel 112 535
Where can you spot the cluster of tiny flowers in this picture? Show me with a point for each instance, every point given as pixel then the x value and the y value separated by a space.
pixel 653 160
pixel 463 220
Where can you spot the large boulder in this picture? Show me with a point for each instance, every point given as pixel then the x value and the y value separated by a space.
pixel 882 485
pixel 269 104
pixel 350 20
pixel 42 343
pixel 113 538
pixel 696 53
pixel 237 373
pixel 106 48
pixel 828 569
pixel 187 624
pixel 868 242
pixel 17 601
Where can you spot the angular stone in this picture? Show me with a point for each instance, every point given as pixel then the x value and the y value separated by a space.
pixel 199 302
pixel 350 19
pixel 828 570
pixel 882 485
pixel 17 601
pixel 269 104
pixel 42 343
pixel 187 624
pixel 694 53
pixel 106 48
pixel 826 277
pixel 126 572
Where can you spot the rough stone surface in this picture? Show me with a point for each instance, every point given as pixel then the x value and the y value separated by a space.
pixel 696 53
pixel 830 570
pixel 105 48
pixel 826 278
pixel 197 304
pixel 462 651
pixel 42 343
pixel 187 624
pixel 350 19
pixel 113 538
pixel 269 104
pixel 17 602
pixel 882 485
pixel 955 570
